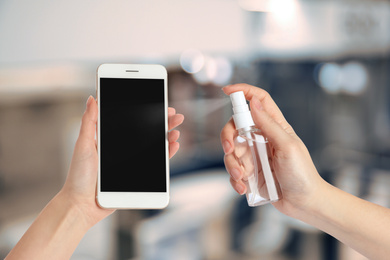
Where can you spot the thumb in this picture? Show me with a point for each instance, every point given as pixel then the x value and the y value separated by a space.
pixel 269 127
pixel 86 141
pixel 89 120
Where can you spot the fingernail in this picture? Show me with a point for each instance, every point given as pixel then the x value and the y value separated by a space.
pixel 223 89
pixel 240 188
pixel 236 174
pixel 226 146
pixel 89 100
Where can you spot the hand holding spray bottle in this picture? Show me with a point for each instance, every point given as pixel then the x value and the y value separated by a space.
pixel 251 150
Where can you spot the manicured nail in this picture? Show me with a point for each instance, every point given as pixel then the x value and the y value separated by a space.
pixel 89 100
pixel 240 188
pixel 223 89
pixel 236 174
pixel 226 146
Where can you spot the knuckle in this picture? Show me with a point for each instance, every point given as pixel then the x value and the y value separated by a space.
pixel 233 182
pixel 226 161
pixel 264 94
pixel 293 146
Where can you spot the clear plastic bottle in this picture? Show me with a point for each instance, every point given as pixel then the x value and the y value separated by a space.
pixel 253 154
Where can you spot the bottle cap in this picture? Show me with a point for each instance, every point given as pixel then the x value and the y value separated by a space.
pixel 242 116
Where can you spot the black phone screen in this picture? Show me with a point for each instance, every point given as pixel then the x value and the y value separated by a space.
pixel 132 135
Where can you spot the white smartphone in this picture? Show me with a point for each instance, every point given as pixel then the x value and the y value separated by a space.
pixel 132 136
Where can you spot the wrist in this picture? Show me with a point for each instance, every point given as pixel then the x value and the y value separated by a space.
pixel 311 205
pixel 315 211
pixel 54 234
pixel 73 212
pixel 84 207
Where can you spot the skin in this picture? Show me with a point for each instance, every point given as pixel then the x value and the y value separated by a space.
pixel 61 225
pixel 306 196
pixel 360 224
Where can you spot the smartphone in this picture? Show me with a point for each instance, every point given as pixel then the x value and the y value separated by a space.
pixel 132 141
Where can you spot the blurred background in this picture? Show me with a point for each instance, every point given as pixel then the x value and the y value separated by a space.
pixel 326 63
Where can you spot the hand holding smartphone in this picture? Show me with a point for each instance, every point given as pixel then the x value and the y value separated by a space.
pixel 132 136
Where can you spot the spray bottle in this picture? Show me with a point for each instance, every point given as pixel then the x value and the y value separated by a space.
pixel 252 152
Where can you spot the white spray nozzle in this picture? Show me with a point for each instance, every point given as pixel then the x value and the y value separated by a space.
pixel 238 99
pixel 242 116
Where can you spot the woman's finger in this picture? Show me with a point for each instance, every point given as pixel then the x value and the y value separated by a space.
pixel 238 186
pixel 88 124
pixel 173 148
pixel 277 135
pixel 266 100
pixel 171 111
pixel 173 136
pixel 232 167
pixel 175 120
pixel 227 136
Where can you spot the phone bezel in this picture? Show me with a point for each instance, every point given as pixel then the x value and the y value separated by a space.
pixel 133 200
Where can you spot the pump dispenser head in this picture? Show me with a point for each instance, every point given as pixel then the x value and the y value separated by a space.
pixel 242 116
